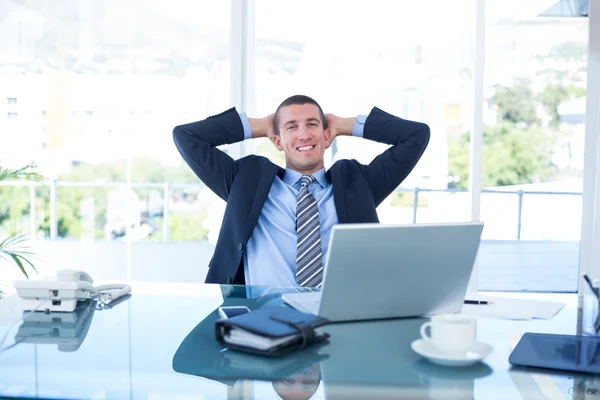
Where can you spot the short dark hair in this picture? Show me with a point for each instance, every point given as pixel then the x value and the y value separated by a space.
pixel 297 99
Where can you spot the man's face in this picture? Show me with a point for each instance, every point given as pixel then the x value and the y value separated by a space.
pixel 301 385
pixel 302 138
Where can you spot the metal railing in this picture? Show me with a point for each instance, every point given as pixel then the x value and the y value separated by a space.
pixel 168 187
pixel 519 193
pixel 54 184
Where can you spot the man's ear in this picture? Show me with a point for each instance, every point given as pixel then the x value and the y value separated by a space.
pixel 327 134
pixel 276 139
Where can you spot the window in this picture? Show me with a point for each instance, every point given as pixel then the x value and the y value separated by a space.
pixel 166 59
pixel 107 114
pixel 535 83
pixel 397 61
pixel 186 66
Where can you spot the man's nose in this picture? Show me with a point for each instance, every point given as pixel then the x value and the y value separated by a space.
pixel 303 133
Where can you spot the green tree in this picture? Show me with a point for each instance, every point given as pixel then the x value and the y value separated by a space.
pixel 184 226
pixel 516 104
pixel 14 201
pixel 266 148
pixel 577 91
pixel 511 156
pixel 551 97
pixel 556 93
pixel 143 169
pixel 569 50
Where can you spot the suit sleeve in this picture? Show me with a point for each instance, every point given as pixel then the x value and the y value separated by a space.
pixel 197 143
pixel 409 140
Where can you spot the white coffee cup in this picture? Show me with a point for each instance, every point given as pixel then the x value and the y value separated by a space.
pixel 451 333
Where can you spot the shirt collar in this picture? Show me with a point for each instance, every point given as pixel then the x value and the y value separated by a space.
pixel 292 177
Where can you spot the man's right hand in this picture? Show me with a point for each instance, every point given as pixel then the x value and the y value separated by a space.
pixel 263 127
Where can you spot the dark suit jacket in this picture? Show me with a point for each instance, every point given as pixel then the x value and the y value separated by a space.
pixel 245 183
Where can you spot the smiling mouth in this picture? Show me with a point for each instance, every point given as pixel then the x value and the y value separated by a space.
pixel 305 148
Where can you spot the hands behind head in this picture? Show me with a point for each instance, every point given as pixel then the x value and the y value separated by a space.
pixel 335 125
pixel 269 126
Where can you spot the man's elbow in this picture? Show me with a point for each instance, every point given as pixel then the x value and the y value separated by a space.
pixel 423 134
pixel 424 130
pixel 178 134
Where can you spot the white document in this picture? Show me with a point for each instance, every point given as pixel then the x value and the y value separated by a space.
pixel 242 337
pixel 306 302
pixel 512 308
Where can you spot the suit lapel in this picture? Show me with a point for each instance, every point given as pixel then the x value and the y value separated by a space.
pixel 263 188
pixel 339 194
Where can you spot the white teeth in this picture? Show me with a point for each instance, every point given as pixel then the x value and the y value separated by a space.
pixel 305 148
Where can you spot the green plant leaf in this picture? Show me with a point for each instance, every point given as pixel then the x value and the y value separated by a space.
pixel 27 261
pixel 15 249
pixel 12 241
pixel 28 173
pixel 19 264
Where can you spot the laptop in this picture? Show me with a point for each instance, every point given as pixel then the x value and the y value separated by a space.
pixel 375 271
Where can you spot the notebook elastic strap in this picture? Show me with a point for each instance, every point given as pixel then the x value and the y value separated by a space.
pixel 306 330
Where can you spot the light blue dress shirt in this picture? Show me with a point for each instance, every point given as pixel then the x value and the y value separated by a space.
pixel 270 254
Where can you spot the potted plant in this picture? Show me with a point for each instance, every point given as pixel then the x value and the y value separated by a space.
pixel 14 249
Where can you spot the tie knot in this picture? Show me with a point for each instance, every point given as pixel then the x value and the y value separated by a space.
pixel 306 180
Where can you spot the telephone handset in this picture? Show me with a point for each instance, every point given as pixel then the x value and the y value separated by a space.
pixel 72 275
pixel 63 293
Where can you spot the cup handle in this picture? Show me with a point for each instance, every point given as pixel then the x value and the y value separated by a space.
pixel 424 334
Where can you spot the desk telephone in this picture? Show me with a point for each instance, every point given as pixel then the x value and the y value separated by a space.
pixel 63 293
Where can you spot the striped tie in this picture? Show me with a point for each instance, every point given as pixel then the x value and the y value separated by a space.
pixel 309 267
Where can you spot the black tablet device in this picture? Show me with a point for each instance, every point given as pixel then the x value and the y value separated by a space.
pixel 561 352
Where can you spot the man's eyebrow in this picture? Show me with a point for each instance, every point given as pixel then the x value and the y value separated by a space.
pixel 293 121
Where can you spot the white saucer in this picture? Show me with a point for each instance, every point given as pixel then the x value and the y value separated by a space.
pixel 477 352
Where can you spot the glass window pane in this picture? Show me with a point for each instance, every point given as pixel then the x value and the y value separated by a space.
pixel 91 91
pixel 534 111
pixel 398 61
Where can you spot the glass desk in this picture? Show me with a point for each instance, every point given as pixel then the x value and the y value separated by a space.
pixel 160 344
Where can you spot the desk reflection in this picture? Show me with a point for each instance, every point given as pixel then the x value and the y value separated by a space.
pixel 300 385
pixel 361 360
pixel 65 329
pixel 202 355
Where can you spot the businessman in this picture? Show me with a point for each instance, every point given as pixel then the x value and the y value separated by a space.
pixel 277 222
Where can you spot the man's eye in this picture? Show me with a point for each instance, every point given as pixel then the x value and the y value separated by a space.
pixel 290 127
pixel 312 124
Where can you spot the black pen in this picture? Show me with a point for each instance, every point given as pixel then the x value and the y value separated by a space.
pixel 595 292
pixel 589 282
pixel 477 302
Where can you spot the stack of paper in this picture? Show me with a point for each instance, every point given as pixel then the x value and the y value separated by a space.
pixel 512 308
